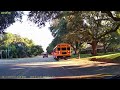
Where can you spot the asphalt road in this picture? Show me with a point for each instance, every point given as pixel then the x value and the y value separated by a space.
pixel 48 68
pixel 36 67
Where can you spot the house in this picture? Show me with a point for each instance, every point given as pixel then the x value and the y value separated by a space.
pixel 88 49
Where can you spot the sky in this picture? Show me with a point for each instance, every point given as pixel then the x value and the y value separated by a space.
pixel 40 36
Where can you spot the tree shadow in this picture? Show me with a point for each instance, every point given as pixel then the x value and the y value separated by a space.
pixel 94 72
pixel 71 71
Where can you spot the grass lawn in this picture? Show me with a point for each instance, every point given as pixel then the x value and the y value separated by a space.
pixel 81 56
pixel 109 55
pixel 99 54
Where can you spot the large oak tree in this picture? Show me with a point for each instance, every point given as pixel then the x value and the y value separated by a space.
pixel 94 29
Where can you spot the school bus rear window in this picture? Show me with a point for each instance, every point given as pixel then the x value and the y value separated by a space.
pixel 68 48
pixel 63 48
pixel 58 49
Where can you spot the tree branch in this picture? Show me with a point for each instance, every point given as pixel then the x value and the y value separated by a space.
pixel 89 43
pixel 102 19
pixel 111 15
pixel 110 31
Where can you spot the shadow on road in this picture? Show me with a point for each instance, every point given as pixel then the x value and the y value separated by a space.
pixel 73 71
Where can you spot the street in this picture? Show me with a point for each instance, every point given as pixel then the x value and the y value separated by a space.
pixel 48 68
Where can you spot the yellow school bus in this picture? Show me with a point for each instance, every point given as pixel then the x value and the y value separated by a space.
pixel 62 51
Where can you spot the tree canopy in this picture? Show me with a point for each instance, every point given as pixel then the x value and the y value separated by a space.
pixel 79 26
pixel 19 47
pixel 9 17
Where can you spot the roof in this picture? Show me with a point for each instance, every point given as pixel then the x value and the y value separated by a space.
pixel 61 44
pixel 98 47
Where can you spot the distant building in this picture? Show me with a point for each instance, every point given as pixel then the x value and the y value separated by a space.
pixel 89 49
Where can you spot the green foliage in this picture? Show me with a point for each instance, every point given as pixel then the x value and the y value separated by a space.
pixel 19 47
pixel 49 49
pixel 6 19
pixel 57 31
pixel 77 27
pixel 40 17
pixel 118 30
pixel 111 41
pixel 36 50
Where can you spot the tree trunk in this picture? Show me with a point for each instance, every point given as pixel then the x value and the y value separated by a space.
pixel 105 50
pixel 75 51
pixel 113 49
pixel 94 48
pixel 79 50
pixel 79 54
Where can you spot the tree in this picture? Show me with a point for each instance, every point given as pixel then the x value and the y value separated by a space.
pixel 58 29
pixel 49 49
pixel 94 26
pixel 9 17
pixel 19 47
pixel 97 26
pixel 115 40
pixel 74 36
pixel 54 42
pixel 106 42
pixel 115 16
pixel 41 17
pixel 100 26
pixel 110 41
pixel 65 32
pixel 36 50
